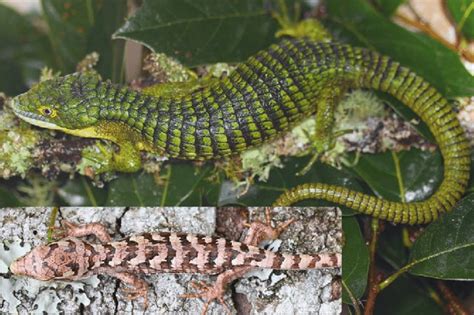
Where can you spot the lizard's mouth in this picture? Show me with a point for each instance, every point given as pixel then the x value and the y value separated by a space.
pixel 31 118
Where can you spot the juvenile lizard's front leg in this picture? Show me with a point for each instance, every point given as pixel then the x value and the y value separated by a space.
pixel 138 287
pixel 69 229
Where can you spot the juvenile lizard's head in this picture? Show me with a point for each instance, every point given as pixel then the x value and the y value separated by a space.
pixel 64 103
pixel 65 259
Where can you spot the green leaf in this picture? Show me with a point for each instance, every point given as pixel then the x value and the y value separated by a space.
pixel 79 27
pixel 391 248
pixel 69 23
pixel 388 7
pixel 406 297
pixel 81 192
pixel 202 31
pixel 282 179
pixel 138 189
pixel 189 185
pixel 445 250
pixel 462 11
pixel 109 17
pixel 7 199
pixel 358 23
pixel 23 51
pixel 356 267
pixel 179 185
pixel 421 173
pixel 470 185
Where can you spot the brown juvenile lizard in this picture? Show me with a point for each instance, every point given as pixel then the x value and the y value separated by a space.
pixel 71 258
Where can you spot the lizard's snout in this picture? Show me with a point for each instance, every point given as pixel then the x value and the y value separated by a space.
pixel 32 265
pixel 18 267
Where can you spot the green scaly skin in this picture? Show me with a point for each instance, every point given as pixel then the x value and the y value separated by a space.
pixel 264 97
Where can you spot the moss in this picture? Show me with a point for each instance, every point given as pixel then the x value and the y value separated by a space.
pixel 166 69
pixel 357 107
pixel 260 161
pixel 88 63
pixel 18 142
pixel 37 191
pixel 219 69
pixel 48 74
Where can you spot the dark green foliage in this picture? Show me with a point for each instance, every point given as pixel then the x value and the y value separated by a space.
pixel 445 250
pixel 23 51
pixel 462 12
pixel 356 268
pixel 79 27
pixel 359 23
pixel 203 31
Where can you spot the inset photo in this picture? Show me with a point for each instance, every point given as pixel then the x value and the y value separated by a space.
pixel 170 260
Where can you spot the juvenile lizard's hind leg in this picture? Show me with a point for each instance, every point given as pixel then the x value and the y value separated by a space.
pixel 69 229
pixel 259 231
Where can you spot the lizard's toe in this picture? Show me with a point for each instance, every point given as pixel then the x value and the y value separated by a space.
pixel 208 293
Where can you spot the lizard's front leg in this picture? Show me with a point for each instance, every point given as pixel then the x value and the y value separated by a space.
pixel 127 159
pixel 69 229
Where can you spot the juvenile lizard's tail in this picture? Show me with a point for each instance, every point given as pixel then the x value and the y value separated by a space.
pixel 371 70
pixel 284 261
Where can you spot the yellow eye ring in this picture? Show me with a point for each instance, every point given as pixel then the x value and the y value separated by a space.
pixel 47 111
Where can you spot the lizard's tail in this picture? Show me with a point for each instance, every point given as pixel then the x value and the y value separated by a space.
pixel 283 261
pixel 371 70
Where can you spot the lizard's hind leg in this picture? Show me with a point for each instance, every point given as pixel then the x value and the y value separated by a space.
pixel 291 25
pixel 324 136
pixel 259 231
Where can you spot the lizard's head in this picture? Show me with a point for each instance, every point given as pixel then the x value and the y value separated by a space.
pixel 64 259
pixel 63 103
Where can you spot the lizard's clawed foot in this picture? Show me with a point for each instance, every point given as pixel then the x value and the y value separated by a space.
pixel 259 231
pixel 69 229
pixel 321 145
pixel 208 293
pixel 102 160
pixel 65 230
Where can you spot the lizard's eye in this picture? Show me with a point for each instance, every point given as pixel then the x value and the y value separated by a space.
pixel 49 112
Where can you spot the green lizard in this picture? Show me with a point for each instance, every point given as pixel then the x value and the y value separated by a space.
pixel 261 99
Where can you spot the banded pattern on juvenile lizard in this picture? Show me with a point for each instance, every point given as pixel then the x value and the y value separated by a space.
pixel 260 99
pixel 72 258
